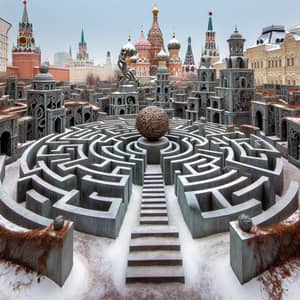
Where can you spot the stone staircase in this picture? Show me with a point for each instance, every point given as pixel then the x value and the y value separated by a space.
pixel 154 250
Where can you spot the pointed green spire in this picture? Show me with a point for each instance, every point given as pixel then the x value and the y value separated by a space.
pixel 82 37
pixel 210 23
pixel 25 18
pixel 70 51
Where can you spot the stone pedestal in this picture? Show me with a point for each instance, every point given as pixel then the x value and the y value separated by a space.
pixel 153 149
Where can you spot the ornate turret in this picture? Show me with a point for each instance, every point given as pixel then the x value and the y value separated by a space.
pixel 236 44
pixel 155 37
pixel 210 48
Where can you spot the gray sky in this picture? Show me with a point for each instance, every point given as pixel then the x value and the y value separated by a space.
pixel 57 23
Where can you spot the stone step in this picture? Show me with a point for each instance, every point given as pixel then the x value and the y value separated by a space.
pixel 153 220
pixel 153 177
pixel 153 181
pixel 155 274
pixel 154 213
pixel 153 206
pixel 154 244
pixel 154 195
pixel 154 258
pixel 154 231
pixel 155 189
pixel 153 186
pixel 154 201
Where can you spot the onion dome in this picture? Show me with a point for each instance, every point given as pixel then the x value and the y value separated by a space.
pixel 174 43
pixel 163 55
pixel 129 48
pixel 143 43
pixel 155 10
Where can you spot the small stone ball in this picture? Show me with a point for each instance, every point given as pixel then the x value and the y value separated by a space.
pixel 58 223
pixel 152 122
pixel 245 223
pixel 44 69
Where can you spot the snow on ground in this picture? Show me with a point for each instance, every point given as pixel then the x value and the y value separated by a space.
pixel 10 179
pixel 100 264
pixel 16 284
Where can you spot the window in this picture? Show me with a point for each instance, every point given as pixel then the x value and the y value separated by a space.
pixel 292 61
pixel 288 62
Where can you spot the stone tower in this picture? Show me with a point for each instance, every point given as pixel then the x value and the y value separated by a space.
pixel 45 105
pixel 203 88
pixel 189 67
pixel 175 63
pixel 155 37
pixel 206 75
pixel 210 48
pixel 232 104
pixel 26 55
pixel 162 90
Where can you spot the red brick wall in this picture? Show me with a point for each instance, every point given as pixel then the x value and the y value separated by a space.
pixel 25 62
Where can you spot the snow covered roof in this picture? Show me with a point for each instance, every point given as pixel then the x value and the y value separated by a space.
pixel 274 34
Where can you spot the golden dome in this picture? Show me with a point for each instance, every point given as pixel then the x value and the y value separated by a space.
pixel 155 10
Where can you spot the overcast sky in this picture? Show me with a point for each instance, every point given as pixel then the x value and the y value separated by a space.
pixel 57 23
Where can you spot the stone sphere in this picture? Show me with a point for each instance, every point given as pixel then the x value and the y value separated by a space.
pixel 245 223
pixel 152 122
pixel 58 223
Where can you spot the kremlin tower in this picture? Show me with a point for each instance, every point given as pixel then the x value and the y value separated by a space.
pixel 26 56
pixel 155 38
pixel 175 63
pixel 210 48
pixel 82 58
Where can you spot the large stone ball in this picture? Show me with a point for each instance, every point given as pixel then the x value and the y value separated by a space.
pixel 152 122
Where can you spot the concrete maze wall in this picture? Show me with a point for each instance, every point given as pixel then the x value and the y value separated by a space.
pixel 86 174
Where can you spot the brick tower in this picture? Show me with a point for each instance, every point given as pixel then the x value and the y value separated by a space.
pixel 26 55
pixel 210 48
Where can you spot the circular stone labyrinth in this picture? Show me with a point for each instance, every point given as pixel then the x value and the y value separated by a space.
pixel 87 174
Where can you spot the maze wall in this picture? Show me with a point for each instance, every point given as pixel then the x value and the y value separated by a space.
pixel 87 173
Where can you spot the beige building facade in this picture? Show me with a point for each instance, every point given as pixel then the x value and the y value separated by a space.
pixel 4 29
pixel 276 61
